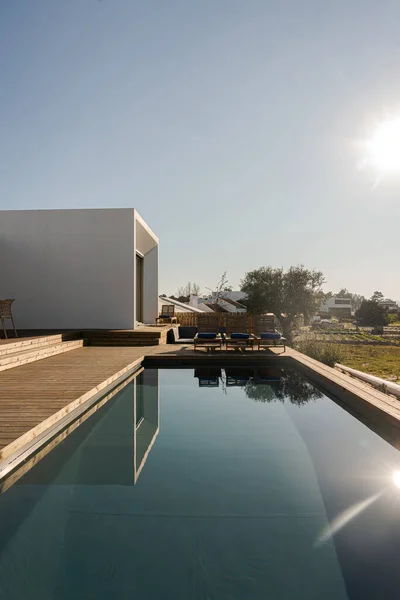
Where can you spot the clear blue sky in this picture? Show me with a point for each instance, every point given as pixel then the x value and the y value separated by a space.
pixel 231 125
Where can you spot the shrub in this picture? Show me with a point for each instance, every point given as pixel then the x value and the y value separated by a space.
pixel 393 318
pixel 328 354
pixel 371 313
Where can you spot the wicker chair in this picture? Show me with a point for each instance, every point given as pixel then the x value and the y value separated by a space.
pixel 6 313
pixel 167 314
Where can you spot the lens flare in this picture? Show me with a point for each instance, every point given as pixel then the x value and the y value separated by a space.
pixel 344 518
pixel 396 478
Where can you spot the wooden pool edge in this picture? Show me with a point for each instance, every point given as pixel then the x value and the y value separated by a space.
pixel 378 411
pixel 28 456
pixel 18 445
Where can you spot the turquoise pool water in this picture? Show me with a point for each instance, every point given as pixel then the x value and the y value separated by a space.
pixel 207 484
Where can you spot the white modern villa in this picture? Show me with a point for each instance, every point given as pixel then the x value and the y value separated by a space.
pixel 337 307
pixel 79 269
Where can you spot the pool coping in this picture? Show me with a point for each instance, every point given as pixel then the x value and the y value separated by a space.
pixel 376 410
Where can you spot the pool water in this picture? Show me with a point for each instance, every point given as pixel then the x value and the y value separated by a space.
pixel 208 484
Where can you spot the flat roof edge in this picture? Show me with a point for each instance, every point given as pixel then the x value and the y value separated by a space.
pixel 145 226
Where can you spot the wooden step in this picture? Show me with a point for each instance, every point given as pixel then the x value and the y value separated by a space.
pixel 124 342
pixel 16 359
pixel 137 337
pixel 129 335
pixel 12 345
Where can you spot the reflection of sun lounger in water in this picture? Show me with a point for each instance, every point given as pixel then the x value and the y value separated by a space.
pixel 208 377
pixel 238 377
pixel 267 375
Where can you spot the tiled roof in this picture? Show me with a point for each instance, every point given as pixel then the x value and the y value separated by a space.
pixel 215 307
pixel 233 302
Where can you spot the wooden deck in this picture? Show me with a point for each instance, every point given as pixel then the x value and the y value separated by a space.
pixel 43 391
pixel 35 396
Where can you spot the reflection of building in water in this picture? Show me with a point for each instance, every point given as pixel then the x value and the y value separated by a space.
pixel 147 415
pixel 208 377
pixel 108 448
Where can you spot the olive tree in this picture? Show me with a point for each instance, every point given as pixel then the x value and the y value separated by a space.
pixel 372 314
pixel 284 293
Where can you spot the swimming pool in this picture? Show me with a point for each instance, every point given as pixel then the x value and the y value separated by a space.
pixel 208 484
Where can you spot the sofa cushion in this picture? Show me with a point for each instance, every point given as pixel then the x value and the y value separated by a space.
pixel 240 336
pixel 172 335
pixel 187 332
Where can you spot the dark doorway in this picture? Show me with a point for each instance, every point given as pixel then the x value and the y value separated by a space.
pixel 139 288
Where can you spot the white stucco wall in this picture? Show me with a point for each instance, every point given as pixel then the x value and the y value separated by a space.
pixel 150 285
pixel 69 269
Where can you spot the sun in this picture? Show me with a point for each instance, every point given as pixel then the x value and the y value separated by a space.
pixel 384 147
pixel 396 478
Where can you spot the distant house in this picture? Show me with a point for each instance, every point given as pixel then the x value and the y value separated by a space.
pixel 228 301
pixel 337 307
pixel 232 295
pixel 214 307
pixel 232 305
pixel 180 307
pixel 389 305
pixel 211 304
pixel 199 303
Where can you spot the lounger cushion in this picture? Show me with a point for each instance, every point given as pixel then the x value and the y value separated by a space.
pixel 206 336
pixel 240 336
pixel 270 335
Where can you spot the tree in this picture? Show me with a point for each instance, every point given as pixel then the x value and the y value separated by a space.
pixel 284 293
pixel 371 314
pixel 292 386
pixel 344 293
pixel 356 301
pixel 185 291
pixel 377 296
pixel 222 286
